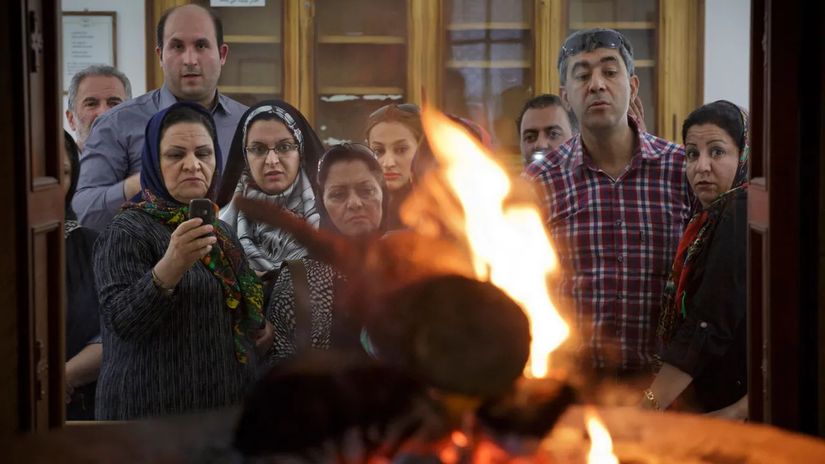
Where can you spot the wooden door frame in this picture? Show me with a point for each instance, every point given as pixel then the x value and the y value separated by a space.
pixel 31 124
pixel 786 316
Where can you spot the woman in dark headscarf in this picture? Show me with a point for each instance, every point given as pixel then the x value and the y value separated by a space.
pixel 274 157
pixel 702 330
pixel 181 310
pixel 83 348
pixel 352 203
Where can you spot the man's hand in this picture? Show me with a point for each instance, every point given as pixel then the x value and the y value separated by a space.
pixel 131 186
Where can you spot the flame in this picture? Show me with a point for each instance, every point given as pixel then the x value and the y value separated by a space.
pixel 601 446
pixel 509 243
pixel 459 439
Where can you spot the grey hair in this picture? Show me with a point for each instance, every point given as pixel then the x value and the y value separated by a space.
pixel 626 50
pixel 96 70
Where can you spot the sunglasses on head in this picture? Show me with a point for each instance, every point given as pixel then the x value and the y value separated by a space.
pixel 600 39
pixel 405 107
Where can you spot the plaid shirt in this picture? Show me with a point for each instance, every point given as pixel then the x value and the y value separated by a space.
pixel 616 241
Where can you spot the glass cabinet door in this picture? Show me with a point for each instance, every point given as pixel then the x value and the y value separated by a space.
pixel 254 67
pixel 487 74
pixel 360 64
pixel 638 21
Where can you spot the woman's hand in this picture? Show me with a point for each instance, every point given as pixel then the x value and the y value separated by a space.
pixel 190 242
pixel 668 384
pixel 263 338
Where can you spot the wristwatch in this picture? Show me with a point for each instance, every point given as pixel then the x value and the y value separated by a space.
pixel 167 292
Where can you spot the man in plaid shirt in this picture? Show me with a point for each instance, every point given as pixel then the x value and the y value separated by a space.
pixel 616 200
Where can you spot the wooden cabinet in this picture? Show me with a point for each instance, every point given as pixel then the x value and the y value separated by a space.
pixel 360 56
pixel 338 60
pixel 254 68
pixel 488 60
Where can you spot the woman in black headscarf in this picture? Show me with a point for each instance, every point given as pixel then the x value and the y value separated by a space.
pixel 181 310
pixel 353 203
pixel 702 330
pixel 83 348
pixel 274 157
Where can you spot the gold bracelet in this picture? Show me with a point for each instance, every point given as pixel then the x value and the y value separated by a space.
pixel 651 398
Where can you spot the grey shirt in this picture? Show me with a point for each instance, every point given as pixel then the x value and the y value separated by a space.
pixel 113 151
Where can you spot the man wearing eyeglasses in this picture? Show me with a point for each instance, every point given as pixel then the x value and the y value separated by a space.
pixel 616 201
pixel 192 52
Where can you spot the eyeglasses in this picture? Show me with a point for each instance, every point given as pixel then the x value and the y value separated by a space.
pixel 599 39
pixel 282 148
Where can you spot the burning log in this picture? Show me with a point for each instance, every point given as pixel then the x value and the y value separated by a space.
pixel 327 403
pixel 529 409
pixel 454 333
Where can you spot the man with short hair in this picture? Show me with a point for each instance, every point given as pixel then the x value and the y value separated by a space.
pixel 93 91
pixel 543 125
pixel 191 51
pixel 616 201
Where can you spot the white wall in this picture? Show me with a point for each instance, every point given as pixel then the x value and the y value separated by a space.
pixel 727 51
pixel 131 37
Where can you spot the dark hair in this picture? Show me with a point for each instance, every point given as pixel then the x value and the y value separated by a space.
pixel 721 113
pixel 74 160
pixel 351 152
pixel 181 114
pixel 543 101
pixel 216 21
pixel 588 40
pixel 407 114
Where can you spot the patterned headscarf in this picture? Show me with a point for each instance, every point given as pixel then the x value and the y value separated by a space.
pixel 698 233
pixel 267 247
pixel 242 291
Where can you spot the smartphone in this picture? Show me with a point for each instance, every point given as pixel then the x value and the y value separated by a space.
pixel 202 208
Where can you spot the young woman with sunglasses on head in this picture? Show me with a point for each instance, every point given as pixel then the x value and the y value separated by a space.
pixel 394 133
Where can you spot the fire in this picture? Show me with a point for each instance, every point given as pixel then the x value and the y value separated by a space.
pixel 601 446
pixel 509 243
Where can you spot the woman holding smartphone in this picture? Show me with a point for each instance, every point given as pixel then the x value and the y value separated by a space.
pixel 180 308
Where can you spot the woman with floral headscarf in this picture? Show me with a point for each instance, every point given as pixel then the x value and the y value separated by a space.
pixel 702 330
pixel 181 311
pixel 274 156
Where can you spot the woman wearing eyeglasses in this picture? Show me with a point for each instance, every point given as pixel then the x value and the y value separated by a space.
pixel 274 157
pixel 394 133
